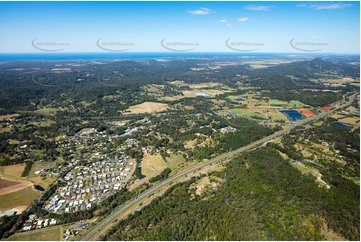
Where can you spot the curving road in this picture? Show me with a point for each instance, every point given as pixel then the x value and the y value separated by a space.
pixel 137 202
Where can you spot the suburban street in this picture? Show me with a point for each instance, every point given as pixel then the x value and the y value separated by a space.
pixel 145 197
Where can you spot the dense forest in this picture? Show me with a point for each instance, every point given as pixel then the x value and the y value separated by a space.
pixel 262 198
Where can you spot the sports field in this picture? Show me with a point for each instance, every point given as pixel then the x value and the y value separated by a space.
pixel 325 109
pixel 306 112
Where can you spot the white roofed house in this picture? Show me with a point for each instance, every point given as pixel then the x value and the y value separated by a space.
pixel 46 222
pixel 39 223
pixel 52 221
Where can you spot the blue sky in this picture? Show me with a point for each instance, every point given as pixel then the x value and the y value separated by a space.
pixel 28 27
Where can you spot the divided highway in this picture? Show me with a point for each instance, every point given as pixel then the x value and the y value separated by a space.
pixel 131 205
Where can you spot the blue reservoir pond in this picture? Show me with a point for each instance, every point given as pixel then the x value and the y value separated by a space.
pixel 293 115
pixel 341 125
pixel 239 99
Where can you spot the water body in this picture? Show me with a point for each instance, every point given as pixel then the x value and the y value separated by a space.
pixel 341 125
pixel 39 188
pixel 137 55
pixel 239 99
pixel 293 115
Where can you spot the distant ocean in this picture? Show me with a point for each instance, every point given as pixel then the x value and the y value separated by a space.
pixel 155 55
pixel 160 55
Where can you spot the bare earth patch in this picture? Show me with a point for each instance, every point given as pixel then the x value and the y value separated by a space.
pixel 202 184
pixel 8 186
pixel 148 107
pixel 11 180
pixel 191 143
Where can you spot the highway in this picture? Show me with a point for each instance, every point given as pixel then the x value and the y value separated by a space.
pixel 131 205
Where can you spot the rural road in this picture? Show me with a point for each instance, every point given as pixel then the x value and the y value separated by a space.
pixel 132 205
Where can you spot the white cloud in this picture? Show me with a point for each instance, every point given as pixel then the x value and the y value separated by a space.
pixel 330 6
pixel 223 21
pixel 201 11
pixel 228 25
pixel 258 7
pixel 242 19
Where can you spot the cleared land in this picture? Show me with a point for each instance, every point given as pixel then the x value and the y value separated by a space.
pixel 4 130
pixel 274 102
pixel 54 234
pixel 152 165
pixel 170 98
pixel 297 104
pixel 276 116
pixel 190 93
pixel 17 192
pixel 246 113
pixel 8 186
pixel 18 200
pixel 7 183
pixel 12 172
pixel 45 181
pixel 335 81
pixel 48 111
pixel 201 185
pixel 8 116
pixel 174 161
pixel 148 107
pixel 191 143
pixel 350 120
pixel 233 98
